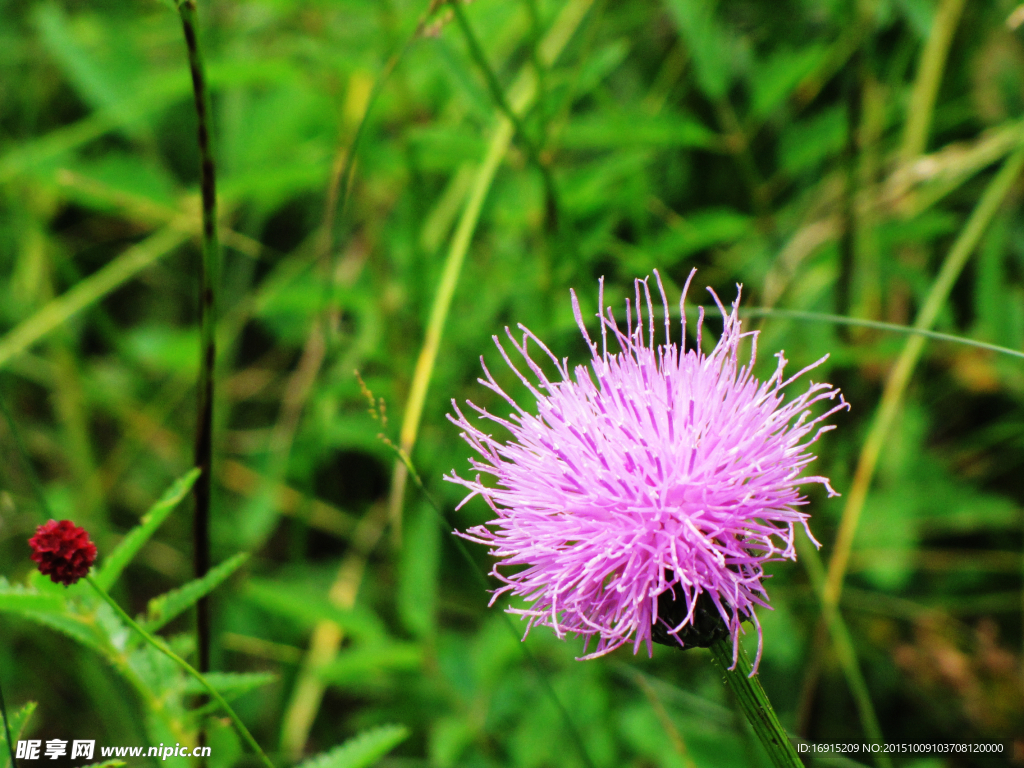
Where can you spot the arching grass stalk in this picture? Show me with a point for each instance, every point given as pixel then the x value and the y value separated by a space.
pixel 899 377
pixel 162 647
pixel 823 317
pixel 756 707
pixel 209 281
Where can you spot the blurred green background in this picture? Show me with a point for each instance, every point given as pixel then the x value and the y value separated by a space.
pixel 830 155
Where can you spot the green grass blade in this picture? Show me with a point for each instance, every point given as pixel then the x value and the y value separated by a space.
pixel 361 751
pixel 929 76
pixel 15 724
pixel 532 152
pixel 88 291
pixel 115 563
pixel 169 605
pixel 521 95
pixel 419 568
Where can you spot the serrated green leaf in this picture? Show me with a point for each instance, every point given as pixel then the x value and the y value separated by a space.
pixel 169 605
pixel 132 543
pixel 16 597
pixel 44 585
pixel 80 630
pixel 164 678
pixel 231 684
pixel 16 722
pixel 50 610
pixel 308 608
pixel 361 751
pixel 991 284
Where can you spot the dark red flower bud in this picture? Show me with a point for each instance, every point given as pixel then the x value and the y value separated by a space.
pixel 63 551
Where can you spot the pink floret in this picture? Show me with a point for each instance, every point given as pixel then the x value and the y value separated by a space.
pixel 655 468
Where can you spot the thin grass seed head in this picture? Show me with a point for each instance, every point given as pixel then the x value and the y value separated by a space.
pixel 641 498
pixel 62 551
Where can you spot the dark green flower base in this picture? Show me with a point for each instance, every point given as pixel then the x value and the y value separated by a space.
pixel 706 629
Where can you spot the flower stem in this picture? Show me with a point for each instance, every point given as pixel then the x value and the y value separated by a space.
pixel 208 288
pixel 755 705
pixel 162 647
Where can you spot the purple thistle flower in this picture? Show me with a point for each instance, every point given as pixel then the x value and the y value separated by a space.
pixel 647 492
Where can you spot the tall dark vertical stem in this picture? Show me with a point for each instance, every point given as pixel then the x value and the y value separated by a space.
pixel 208 318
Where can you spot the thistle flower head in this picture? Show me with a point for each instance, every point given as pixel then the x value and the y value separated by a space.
pixel 63 551
pixel 643 496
